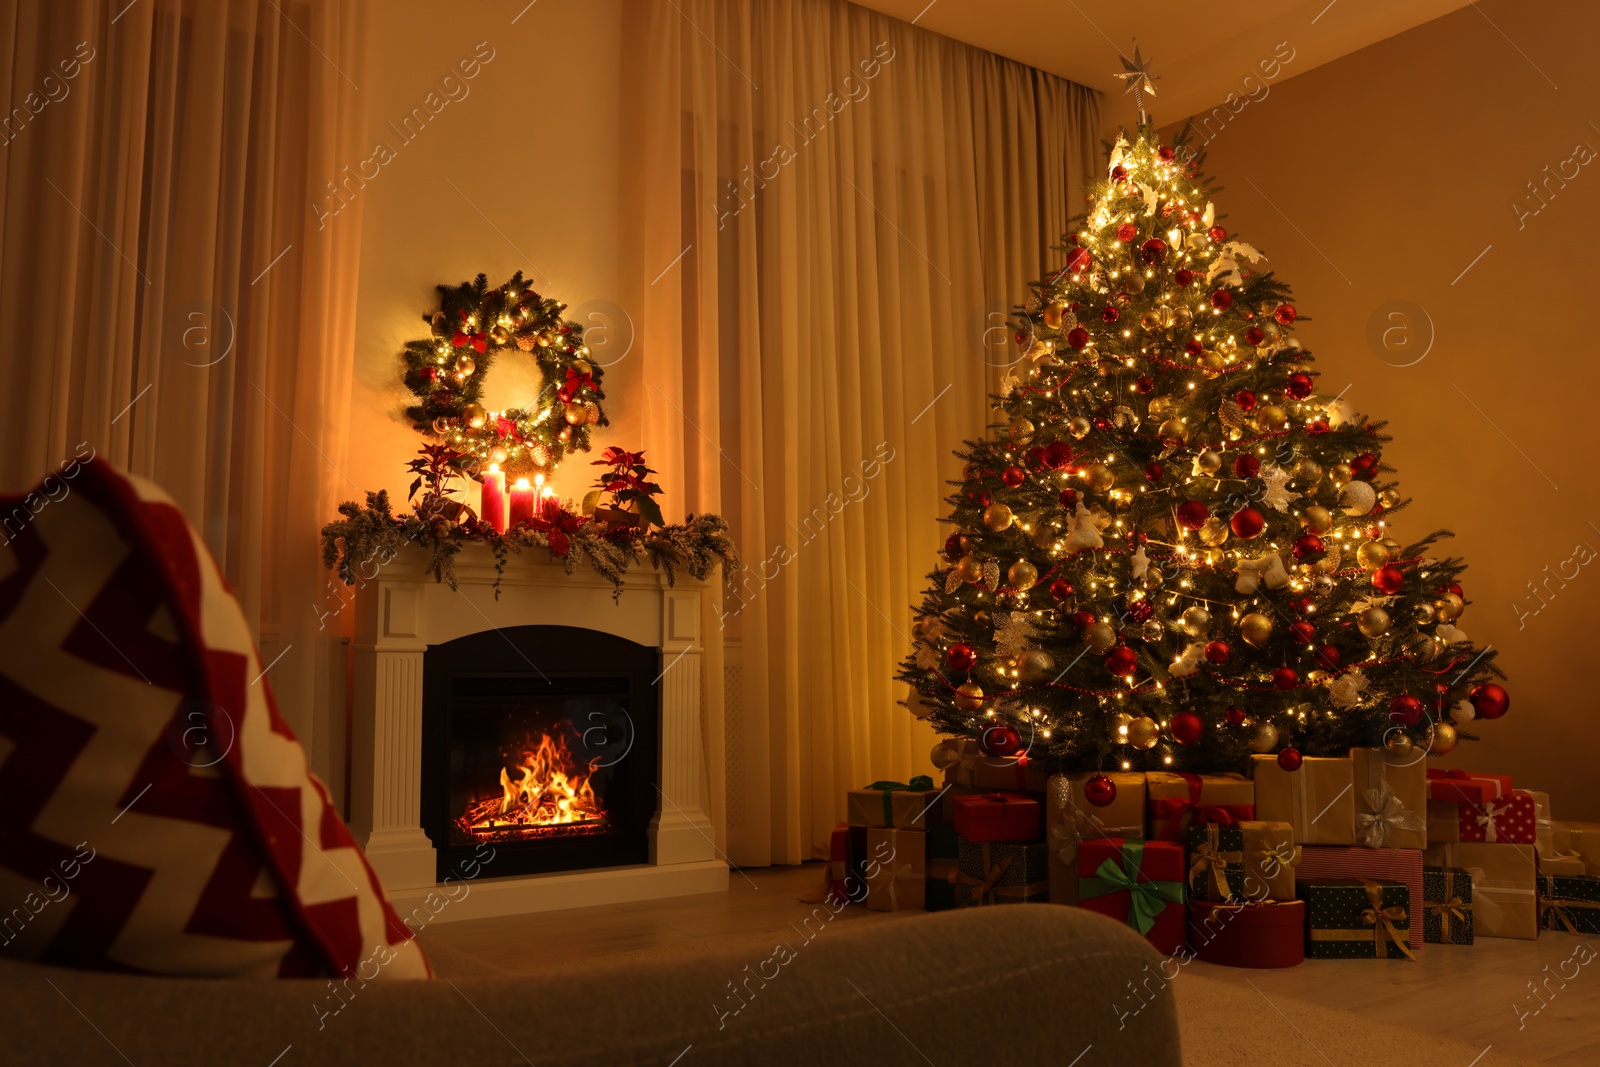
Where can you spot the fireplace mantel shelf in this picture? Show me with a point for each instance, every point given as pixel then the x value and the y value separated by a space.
pixel 403 610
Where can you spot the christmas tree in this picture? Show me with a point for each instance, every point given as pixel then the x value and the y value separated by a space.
pixel 1175 549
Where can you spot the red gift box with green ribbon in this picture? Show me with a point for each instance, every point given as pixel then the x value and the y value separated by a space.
pixel 999 817
pixel 1139 883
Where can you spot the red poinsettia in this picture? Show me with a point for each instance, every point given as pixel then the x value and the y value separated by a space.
pixel 628 483
pixel 559 544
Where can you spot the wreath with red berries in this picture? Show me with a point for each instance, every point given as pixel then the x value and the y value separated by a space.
pixel 447 372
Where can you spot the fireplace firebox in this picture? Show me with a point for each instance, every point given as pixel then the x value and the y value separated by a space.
pixel 542 742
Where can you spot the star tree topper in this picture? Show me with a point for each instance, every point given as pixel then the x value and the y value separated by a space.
pixel 1137 79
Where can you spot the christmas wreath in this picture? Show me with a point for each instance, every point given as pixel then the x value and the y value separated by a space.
pixel 446 372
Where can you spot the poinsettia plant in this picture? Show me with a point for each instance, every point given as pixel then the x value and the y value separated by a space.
pixel 436 467
pixel 628 485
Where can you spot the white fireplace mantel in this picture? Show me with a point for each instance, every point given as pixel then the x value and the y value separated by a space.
pixel 402 610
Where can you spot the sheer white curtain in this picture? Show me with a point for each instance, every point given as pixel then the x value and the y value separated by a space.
pixel 834 213
pixel 167 295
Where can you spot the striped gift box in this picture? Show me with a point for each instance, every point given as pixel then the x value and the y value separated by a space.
pixel 1398 864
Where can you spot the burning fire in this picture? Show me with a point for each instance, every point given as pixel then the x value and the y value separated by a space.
pixel 546 793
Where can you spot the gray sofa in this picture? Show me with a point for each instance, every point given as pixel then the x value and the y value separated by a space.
pixel 1008 985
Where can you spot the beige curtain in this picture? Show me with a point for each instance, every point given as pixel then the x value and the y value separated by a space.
pixel 834 212
pixel 167 295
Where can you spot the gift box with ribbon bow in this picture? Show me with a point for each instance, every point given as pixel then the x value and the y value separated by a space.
pixel 1392 864
pixel 1467 787
pixel 943 864
pixel 1391 798
pixel 1001 872
pixel 1271 860
pixel 897 869
pixel 893 805
pixel 1263 933
pixel 964 763
pixel 1357 918
pixel 1446 906
pixel 1504 881
pixel 1317 800
pixel 1247 861
pixel 1175 801
pixel 999 817
pixel 1070 819
pixel 1570 904
pixel 1581 840
pixel 1507 820
pixel 1139 883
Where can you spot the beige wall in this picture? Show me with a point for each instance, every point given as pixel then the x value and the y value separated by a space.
pixel 1381 177
pixel 520 172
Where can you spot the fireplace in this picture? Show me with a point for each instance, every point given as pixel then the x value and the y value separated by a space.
pixel 540 741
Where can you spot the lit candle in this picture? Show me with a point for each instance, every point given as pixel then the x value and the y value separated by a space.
pixel 492 507
pixel 523 497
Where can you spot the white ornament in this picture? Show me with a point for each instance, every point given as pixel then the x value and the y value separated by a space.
pixel 1083 532
pixel 929 658
pixel 919 706
pixel 1140 563
pixel 1209 219
pixel 1463 711
pixel 1357 498
pixel 1343 413
pixel 1014 633
pixel 1450 634
pixel 1346 690
pixel 1225 269
pixel 1254 573
pixel 1276 479
pixel 1188 663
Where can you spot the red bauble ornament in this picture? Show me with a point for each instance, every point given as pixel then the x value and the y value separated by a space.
pixel 1254 336
pixel 1145 386
pixel 1490 701
pixel 1012 477
pixel 961 657
pixel 1127 232
pixel 1069 498
pixel 1140 610
pixel 1285 314
pixel 1327 658
pixel 1317 427
pixel 1078 338
pixel 1166 153
pixel 1122 661
pixel 1308 547
pixel 1153 250
pixel 1405 709
pixel 952 548
pixel 1285 678
pixel 1000 740
pixel 1302 632
pixel 1194 346
pixel 1186 727
pixel 1217 233
pixel 1061 589
pixel 1078 260
pixel 1057 454
pixel 1453 587
pixel 1083 619
pixel 1153 472
pixel 1036 456
pixel 1246 466
pixel 1289 759
pixel 1183 278
pixel 1119 174
pixel 1235 716
pixel 1217 653
pixel 1301 605
pixel 429 374
pixel 1300 385
pixel 1364 466
pixel 1247 523
pixel 1245 399
pixel 1020 337
pixel 1221 299
pixel 1109 313
pixel 1193 514
pixel 1388 579
pixel 1100 790
pixel 985 498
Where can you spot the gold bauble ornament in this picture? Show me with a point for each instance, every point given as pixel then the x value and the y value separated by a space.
pixel 1182 317
pixel 1153 579
pixel 1373 623
pixel 1196 621
pixel 499 455
pixel 499 334
pixel 564 434
pixel 1150 321
pixel 1209 462
pixel 1325 584
pixel 1100 477
pixel 1131 282
pixel 466 365
pixel 1143 733
pixel 1160 406
pixel 1034 666
pixel 1449 607
pixel 1214 531
pixel 1255 628
pixel 1442 738
pixel 441 426
pixel 1389 498
pixel 1022 575
pixel 1119 723
pixel 1339 474
pixel 1020 431
pixel 441 324
pixel 998 517
pixel 1420 647
pixel 474 416
pixel 1426 614
pixel 1079 427
pixel 1372 555
pixel 1051 315
pixel 1044 536
pixel 970 568
pixel 967 541
pixel 1152 630
pixel 969 696
pixel 582 366
pixel 1318 519
pixel 1174 430
pixel 1270 417
pixel 1264 738
pixel 1100 637
pixel 1399 743
pixel 576 414
pixel 1308 471
pixel 1212 364
pixel 1392 545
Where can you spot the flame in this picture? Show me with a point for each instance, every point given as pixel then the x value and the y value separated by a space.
pixel 547 789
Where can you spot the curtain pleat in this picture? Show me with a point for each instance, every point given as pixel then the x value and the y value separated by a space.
pixel 836 212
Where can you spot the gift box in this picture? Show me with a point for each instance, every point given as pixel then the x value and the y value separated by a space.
pixel 1385 864
pixel 892 805
pixel 947 802
pixel 1544 824
pixel 1264 933
pixel 1357 918
pixel 999 817
pixel 1391 799
pixel 840 883
pixel 1216 862
pixel 965 763
pixel 1317 800
pixel 858 862
pixel 897 869
pixel 1271 859
pixel 1567 866
pixel 1503 885
pixel 944 851
pixel 1446 906
pixel 1175 801
pixel 1467 787
pixel 1069 818
pixel 1444 821
pixel 1570 904
pixel 1508 820
pixel 1139 883
pixel 1581 839
pixel 1001 872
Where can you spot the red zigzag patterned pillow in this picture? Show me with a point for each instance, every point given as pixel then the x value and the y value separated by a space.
pixel 156 814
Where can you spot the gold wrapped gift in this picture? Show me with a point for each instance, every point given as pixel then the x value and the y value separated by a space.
pixel 1070 818
pixel 1317 801
pixel 1391 797
pixel 897 869
pixel 1270 856
pixel 1504 878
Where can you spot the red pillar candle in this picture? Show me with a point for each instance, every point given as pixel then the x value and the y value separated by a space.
pixel 523 499
pixel 492 508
